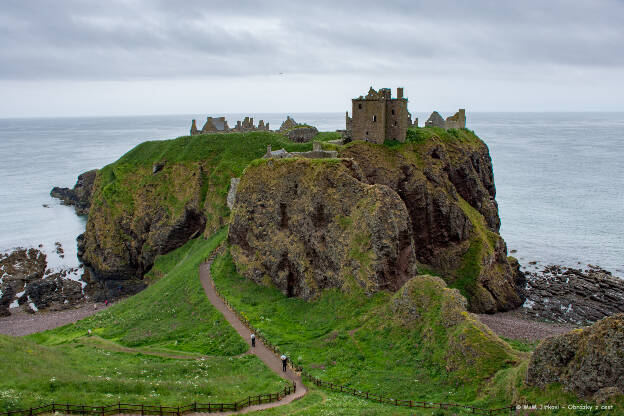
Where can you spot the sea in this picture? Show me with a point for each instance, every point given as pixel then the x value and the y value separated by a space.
pixel 559 178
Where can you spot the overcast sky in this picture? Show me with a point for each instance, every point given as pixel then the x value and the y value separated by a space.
pixel 74 58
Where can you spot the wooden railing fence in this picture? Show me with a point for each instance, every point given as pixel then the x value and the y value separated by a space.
pixel 146 409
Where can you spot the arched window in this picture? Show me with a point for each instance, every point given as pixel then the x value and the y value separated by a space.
pixel 360 106
pixel 374 119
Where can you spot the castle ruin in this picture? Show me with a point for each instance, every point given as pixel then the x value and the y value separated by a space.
pixel 456 121
pixel 378 117
pixel 220 125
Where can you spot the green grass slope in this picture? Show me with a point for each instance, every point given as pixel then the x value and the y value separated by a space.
pixel 166 345
pixel 416 344
pixel 86 371
pixel 172 314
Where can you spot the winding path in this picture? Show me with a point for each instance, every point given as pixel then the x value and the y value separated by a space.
pixel 261 351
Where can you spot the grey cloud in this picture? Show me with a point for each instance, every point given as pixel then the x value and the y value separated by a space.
pixel 164 39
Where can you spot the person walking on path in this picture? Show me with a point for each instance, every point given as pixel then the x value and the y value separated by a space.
pixel 253 340
pixel 284 361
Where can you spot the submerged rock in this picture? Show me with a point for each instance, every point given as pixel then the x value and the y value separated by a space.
pixel 584 361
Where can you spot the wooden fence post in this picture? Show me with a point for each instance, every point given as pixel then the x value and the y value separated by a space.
pixel 142 410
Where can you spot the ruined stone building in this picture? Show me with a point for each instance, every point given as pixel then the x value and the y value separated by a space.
pixel 456 121
pixel 378 117
pixel 220 125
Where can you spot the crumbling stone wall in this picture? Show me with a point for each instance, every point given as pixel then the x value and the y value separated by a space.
pixel 456 121
pixel 220 125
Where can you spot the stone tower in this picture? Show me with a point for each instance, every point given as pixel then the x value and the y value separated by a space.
pixel 379 117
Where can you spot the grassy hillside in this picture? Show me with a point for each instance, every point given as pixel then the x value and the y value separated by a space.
pixel 171 314
pixel 90 371
pixel 415 344
pixel 165 345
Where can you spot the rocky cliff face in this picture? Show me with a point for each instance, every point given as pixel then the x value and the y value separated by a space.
pixel 586 361
pixel 448 189
pixel 122 240
pixel 80 195
pixel 304 225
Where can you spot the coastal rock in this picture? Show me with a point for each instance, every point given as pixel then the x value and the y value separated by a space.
pixel 570 295
pixel 448 189
pixel 319 229
pixel 27 282
pixel 122 241
pixel 54 292
pixel 302 134
pixel 80 195
pixel 583 361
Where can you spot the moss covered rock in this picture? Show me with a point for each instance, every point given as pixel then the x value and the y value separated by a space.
pixel 584 361
pixel 446 181
pixel 454 338
pixel 304 225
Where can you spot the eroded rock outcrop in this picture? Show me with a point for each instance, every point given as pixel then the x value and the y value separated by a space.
pixel 584 361
pixel 463 346
pixel 80 195
pixel 122 240
pixel 448 189
pixel 569 295
pixel 306 225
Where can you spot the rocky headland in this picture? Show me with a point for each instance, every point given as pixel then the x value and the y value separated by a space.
pixel 80 195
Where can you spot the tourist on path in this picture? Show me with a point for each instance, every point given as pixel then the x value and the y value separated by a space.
pixel 253 340
pixel 284 361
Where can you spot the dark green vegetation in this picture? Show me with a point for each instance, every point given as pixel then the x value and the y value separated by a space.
pixel 165 345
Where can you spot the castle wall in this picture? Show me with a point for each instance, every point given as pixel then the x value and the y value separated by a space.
pixel 396 119
pixel 369 120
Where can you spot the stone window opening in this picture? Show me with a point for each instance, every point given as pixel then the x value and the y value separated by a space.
pixel 360 106
pixel 395 123
pixel 367 133
pixel 374 119
pixel 393 112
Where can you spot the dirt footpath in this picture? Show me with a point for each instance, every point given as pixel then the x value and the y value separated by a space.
pixel 22 323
